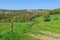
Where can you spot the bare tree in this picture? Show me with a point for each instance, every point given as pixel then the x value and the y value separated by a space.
pixel 11 23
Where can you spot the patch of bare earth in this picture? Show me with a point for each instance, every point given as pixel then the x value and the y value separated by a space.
pixel 48 36
pixel 55 35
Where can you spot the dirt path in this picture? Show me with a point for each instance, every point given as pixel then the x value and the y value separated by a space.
pixel 48 36
pixel 54 35
pixel 42 37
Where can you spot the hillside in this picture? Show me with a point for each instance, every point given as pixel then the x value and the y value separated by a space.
pixel 30 25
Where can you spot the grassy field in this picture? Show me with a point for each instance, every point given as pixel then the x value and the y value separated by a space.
pixel 22 30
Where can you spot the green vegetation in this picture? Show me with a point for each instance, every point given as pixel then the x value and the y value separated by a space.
pixel 29 23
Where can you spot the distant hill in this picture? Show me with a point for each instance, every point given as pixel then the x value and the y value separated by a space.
pixel 26 9
pixel 43 9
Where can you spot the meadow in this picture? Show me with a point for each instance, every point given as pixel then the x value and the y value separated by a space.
pixel 32 31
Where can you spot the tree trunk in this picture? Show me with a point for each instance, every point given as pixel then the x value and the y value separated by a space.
pixel 11 26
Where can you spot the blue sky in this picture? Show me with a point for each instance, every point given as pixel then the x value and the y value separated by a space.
pixel 29 4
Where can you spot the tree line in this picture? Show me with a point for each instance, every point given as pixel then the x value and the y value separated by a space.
pixel 25 15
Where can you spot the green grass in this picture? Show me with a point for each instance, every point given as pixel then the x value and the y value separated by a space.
pixel 23 28
pixel 19 28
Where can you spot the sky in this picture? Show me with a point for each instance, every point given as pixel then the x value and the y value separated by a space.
pixel 29 4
